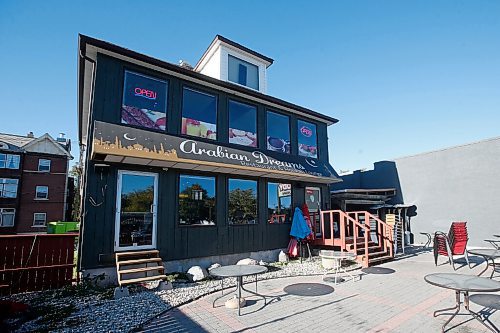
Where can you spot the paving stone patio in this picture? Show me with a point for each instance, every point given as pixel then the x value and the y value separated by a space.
pixel 400 301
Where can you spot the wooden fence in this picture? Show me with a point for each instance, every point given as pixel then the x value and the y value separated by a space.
pixel 36 262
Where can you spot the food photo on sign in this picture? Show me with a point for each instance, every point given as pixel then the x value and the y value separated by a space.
pixel 307 139
pixel 278 132
pixel 242 124
pixel 144 101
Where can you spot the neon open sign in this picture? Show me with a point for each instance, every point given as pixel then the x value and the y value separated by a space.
pixel 306 131
pixel 141 92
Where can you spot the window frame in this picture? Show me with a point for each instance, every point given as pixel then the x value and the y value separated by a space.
pixel 317 137
pixel 256 180
pixel 256 106
pixel 209 92
pixel 36 192
pixel 152 76
pixel 6 159
pixel 289 131
pixel 40 164
pixel 2 188
pixel 277 181
pixel 34 220
pixel 2 213
pixel 229 55
pixel 195 174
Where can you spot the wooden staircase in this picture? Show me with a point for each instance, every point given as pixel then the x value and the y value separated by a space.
pixel 139 266
pixel 373 243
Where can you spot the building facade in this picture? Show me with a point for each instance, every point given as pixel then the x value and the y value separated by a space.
pixel 193 162
pixel 33 182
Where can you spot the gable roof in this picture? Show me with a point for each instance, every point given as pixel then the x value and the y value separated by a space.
pixel 34 146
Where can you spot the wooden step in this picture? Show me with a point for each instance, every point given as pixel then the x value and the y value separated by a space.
pixel 138 261
pixel 136 253
pixel 142 269
pixel 143 279
pixel 378 259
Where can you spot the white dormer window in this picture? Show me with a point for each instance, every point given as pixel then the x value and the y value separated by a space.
pixel 243 72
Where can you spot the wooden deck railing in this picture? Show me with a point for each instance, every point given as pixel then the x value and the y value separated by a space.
pixel 383 231
pixel 36 262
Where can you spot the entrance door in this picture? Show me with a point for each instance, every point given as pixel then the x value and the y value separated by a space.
pixel 136 203
pixel 313 201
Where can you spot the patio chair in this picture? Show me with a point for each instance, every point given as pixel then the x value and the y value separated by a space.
pixel 452 244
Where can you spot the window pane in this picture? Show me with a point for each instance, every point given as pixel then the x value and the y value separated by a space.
pixel 242 201
pixel 39 219
pixel 242 124
pixel 3 160
pixel 8 187
pixel 144 101
pixel 43 165
pixel 7 217
pixel 199 114
pixel 13 161
pixel 279 203
pixel 242 72
pixel 278 132
pixel 196 200
pixel 308 144
pixel 42 192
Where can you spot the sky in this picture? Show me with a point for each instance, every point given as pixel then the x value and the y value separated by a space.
pixel 402 77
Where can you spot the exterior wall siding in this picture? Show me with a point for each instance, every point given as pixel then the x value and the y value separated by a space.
pixel 175 241
pixel 455 184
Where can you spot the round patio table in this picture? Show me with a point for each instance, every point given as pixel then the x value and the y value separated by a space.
pixel 332 260
pixel 487 254
pixel 462 284
pixel 238 271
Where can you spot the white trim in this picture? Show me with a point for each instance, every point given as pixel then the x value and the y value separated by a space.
pixel 36 192
pixel 44 159
pixel 117 246
pixel 34 219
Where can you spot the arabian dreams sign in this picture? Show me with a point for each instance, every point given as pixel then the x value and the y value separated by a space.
pixel 112 139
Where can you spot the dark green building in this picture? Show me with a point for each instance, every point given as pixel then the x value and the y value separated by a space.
pixel 195 162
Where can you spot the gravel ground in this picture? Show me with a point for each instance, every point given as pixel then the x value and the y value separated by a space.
pixel 98 312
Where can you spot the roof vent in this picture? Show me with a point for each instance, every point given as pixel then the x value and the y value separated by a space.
pixel 185 64
pixel 30 135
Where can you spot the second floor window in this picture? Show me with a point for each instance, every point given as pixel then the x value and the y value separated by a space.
pixel 144 101
pixel 308 141
pixel 42 192
pixel 242 124
pixel 199 114
pixel 9 161
pixel 8 187
pixel 278 132
pixel 44 165
pixel 243 72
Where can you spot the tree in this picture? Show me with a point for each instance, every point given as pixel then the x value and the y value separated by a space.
pixel 76 173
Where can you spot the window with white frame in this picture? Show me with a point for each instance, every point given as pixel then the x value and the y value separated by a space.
pixel 242 72
pixel 8 187
pixel 43 165
pixel 7 217
pixel 42 192
pixel 39 219
pixel 9 161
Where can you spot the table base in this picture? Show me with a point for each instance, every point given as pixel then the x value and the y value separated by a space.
pixel 335 270
pixel 458 301
pixel 239 287
pixel 493 264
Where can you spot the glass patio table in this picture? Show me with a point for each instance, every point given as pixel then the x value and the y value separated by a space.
pixel 462 284
pixel 238 271
pixel 487 254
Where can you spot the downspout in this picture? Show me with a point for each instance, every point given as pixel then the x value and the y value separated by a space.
pixel 83 179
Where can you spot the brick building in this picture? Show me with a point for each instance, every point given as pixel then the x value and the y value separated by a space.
pixel 33 182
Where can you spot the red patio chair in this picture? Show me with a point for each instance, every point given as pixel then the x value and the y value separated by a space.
pixel 452 244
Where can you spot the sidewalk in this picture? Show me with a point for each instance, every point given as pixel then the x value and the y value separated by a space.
pixel 400 301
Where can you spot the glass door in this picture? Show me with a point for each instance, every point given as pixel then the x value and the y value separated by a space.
pixel 313 202
pixel 136 205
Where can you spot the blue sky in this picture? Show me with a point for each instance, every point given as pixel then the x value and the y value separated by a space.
pixel 403 77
